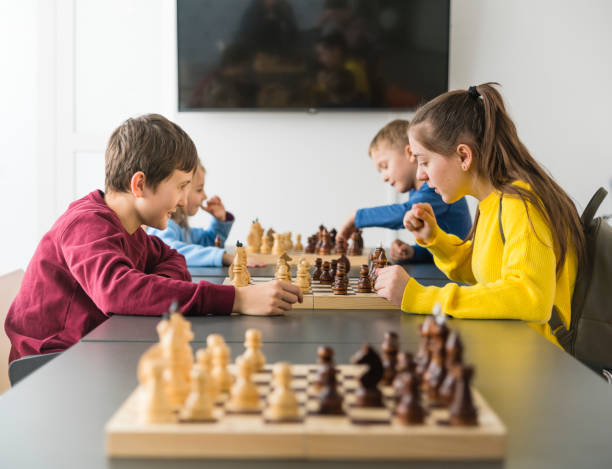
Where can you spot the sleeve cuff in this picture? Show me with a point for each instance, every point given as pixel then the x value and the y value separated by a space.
pixel 216 299
pixel 417 298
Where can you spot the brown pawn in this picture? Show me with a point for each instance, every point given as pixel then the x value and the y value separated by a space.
pixel 326 245
pixel 436 371
pixel 218 242
pixel 325 278
pixel 462 409
pixel 347 264
pixel 330 401
pixel 312 242
pixel 325 358
pixel 389 349
pixel 409 410
pixel 332 236
pixel 334 267
pixel 340 285
pixel 454 356
pixel 365 284
pixel 317 273
pixel 423 355
pixel 356 248
pixel 405 364
pixel 341 246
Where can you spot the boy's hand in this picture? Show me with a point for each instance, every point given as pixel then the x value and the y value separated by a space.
pixel 215 207
pixel 253 263
pixel 266 299
pixel 400 251
pixel 391 283
pixel 421 222
pixel 348 228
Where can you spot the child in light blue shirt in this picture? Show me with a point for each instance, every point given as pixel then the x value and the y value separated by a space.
pixel 198 244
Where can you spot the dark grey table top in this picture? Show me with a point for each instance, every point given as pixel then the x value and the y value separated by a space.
pixel 418 271
pixel 557 412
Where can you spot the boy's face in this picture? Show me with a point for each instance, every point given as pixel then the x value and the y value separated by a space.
pixel 155 207
pixel 394 166
pixel 196 193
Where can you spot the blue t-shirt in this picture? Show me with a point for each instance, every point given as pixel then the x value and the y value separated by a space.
pixel 197 244
pixel 452 218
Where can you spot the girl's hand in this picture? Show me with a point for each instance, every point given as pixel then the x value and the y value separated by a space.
pixel 215 207
pixel 391 283
pixel 400 251
pixel 421 222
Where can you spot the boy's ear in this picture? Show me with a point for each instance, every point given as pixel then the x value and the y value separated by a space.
pixel 408 153
pixel 465 156
pixel 137 184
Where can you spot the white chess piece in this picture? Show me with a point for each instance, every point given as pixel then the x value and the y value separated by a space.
pixel 282 403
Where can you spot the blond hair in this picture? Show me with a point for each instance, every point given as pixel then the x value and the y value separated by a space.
pixel 395 133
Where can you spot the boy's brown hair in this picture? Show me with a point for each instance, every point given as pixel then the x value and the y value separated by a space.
pixel 395 133
pixel 151 144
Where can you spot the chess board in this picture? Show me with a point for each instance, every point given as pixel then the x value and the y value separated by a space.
pixel 360 434
pixel 272 259
pixel 322 297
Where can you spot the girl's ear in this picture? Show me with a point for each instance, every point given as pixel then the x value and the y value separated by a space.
pixel 465 156
pixel 137 184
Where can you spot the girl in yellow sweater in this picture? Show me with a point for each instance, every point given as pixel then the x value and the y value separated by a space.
pixel 521 257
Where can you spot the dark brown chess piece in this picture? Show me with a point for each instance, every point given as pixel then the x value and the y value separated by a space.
pixel 312 242
pixel 325 278
pixel 436 371
pixel 389 349
pixel 218 241
pixel 317 273
pixel 325 356
pixel 409 410
pixel 341 246
pixel 347 264
pixel 373 256
pixel 340 284
pixel 330 401
pixel 332 236
pixel 326 246
pixel 364 285
pixel 356 248
pixel 405 364
pixel 333 268
pixel 454 356
pixel 368 394
pixel 379 263
pixel 462 409
pixel 423 355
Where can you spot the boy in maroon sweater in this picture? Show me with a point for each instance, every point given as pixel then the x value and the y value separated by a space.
pixel 97 260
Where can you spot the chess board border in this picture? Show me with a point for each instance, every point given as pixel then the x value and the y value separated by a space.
pixel 322 297
pixel 272 259
pixel 316 437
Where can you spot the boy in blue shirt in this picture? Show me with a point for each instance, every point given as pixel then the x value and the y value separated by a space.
pixel 390 153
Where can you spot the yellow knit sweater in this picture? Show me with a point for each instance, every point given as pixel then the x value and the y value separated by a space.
pixel 515 280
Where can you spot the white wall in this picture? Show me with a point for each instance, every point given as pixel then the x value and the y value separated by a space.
pixel 116 58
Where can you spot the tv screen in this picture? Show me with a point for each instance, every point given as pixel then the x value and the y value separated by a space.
pixel 311 54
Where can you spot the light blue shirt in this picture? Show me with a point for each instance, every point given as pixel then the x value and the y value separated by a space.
pixel 196 244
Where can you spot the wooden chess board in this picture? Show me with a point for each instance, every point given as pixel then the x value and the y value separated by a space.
pixel 360 434
pixel 322 297
pixel 272 259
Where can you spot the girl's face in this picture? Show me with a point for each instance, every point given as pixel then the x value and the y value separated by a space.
pixel 196 193
pixel 446 174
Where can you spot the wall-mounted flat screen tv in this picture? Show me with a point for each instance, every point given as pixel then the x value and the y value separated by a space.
pixel 311 54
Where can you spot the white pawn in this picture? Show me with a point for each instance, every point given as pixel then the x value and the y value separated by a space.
pixel 198 406
pixel 220 373
pixel 253 354
pixel 155 407
pixel 266 247
pixel 277 247
pixel 282 403
pixel 244 395
pixel 204 363
pixel 298 243
pixel 302 278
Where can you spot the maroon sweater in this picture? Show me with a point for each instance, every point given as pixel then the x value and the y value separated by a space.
pixel 88 267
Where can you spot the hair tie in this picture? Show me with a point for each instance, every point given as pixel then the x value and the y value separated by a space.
pixel 473 92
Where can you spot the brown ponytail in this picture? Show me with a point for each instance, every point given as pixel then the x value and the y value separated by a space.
pixel 479 119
